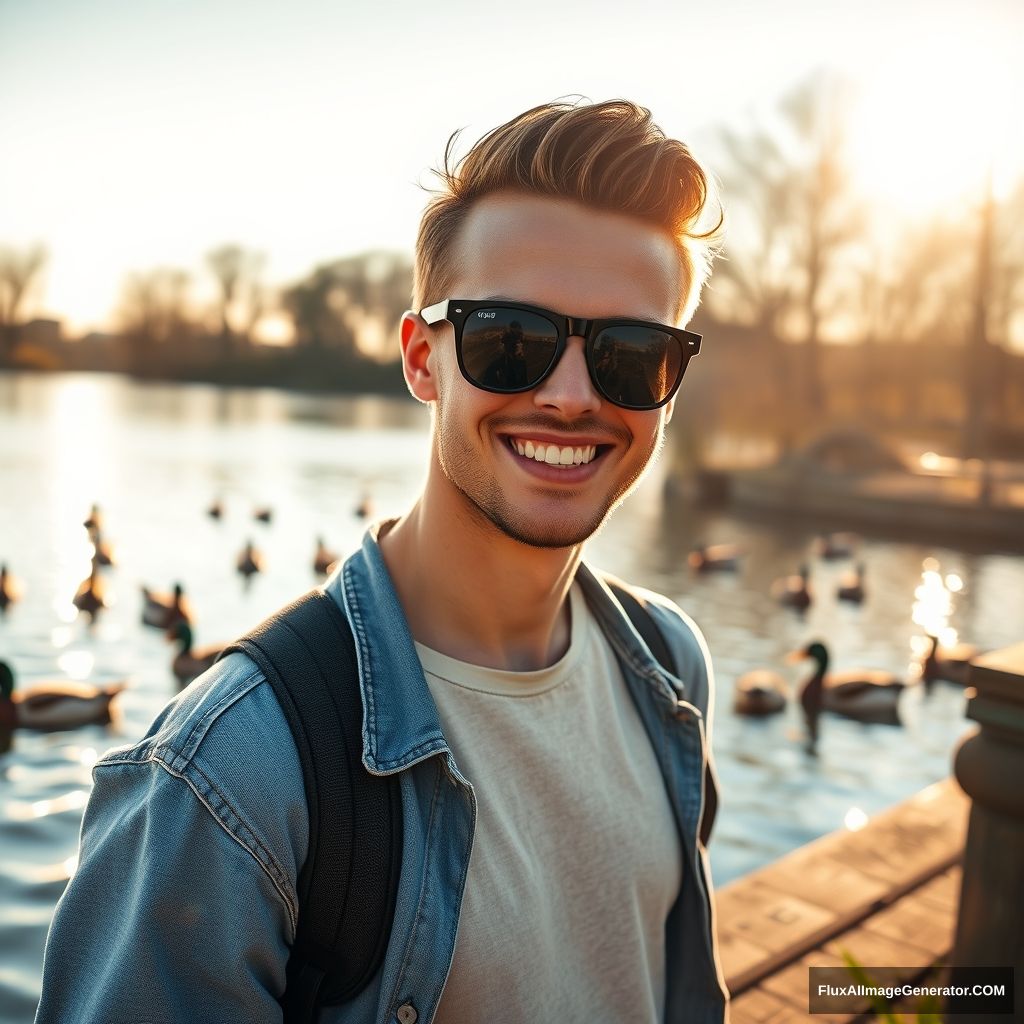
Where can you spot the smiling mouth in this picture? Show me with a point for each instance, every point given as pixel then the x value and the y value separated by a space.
pixel 562 456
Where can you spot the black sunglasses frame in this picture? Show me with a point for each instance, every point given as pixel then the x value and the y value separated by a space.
pixel 458 311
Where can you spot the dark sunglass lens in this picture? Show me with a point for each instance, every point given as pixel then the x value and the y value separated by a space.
pixel 507 349
pixel 636 366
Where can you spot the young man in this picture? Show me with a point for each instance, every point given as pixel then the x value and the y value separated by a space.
pixel 551 770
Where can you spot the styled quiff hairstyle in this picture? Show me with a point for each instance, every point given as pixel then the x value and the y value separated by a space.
pixel 610 156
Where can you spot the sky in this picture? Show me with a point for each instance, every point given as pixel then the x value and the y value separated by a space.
pixel 142 133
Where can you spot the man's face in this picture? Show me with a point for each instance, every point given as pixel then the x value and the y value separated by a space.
pixel 576 261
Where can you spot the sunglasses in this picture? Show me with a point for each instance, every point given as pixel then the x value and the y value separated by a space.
pixel 508 347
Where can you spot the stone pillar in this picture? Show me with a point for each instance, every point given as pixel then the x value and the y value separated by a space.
pixel 989 765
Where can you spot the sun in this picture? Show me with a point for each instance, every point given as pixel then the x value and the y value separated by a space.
pixel 929 129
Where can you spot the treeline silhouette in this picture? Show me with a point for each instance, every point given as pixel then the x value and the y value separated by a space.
pixel 820 309
pixel 331 320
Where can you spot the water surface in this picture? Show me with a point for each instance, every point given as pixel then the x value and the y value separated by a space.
pixel 156 456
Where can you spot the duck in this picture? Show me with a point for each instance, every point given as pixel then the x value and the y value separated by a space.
pixel 851 585
pixel 163 610
pixel 952 664
pixel 324 560
pixel 55 705
pixel 760 693
pixel 364 510
pixel 10 588
pixel 794 591
pixel 250 561
pixel 264 514
pixel 94 520
pixel 90 597
pixel 189 662
pixel 101 550
pixel 866 695
pixel 714 557
pixel 834 546
pixel 216 509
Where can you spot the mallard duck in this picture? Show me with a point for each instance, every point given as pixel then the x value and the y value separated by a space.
pixel 10 588
pixel 953 664
pixel 867 695
pixel 90 597
pixel 189 663
pixel 834 546
pixel 250 561
pixel 851 585
pixel 50 706
pixel 264 514
pixel 759 693
pixel 714 557
pixel 163 610
pixel 102 551
pixel 794 591
pixel 324 560
pixel 216 510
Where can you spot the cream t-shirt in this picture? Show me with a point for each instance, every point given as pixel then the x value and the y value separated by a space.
pixel 576 860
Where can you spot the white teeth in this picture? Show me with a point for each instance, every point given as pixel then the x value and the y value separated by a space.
pixel 555 455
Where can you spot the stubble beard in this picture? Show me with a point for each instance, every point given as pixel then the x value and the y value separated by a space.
pixel 487 502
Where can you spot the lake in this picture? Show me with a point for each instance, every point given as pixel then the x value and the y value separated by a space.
pixel 155 456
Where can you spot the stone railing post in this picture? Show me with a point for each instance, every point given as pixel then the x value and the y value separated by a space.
pixel 989 765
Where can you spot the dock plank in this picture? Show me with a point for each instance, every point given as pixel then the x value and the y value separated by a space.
pixel 887 893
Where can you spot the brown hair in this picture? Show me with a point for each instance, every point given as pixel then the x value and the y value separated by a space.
pixel 610 156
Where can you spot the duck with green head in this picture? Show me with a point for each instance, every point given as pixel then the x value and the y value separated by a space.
pixel 866 695
pixel 190 662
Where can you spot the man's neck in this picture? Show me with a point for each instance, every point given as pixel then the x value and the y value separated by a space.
pixel 473 593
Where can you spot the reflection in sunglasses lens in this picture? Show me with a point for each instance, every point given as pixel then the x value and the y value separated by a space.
pixel 507 349
pixel 636 366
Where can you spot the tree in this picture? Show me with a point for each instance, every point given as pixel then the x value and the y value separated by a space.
pixel 153 313
pixel 18 270
pixel 237 272
pixel 791 213
pixel 350 299
pixel 824 216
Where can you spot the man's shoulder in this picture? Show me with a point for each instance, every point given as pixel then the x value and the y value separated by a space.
pixel 226 738
pixel 225 702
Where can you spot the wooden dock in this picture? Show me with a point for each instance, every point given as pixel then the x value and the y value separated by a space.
pixel 887 894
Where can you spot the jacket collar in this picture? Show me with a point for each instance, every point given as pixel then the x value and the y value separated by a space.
pixel 401 725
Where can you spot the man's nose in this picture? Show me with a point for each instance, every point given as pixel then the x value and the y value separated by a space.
pixel 569 389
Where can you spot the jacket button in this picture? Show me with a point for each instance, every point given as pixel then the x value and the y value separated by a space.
pixel 407 1014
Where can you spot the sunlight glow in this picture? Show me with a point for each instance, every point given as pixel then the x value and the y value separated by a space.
pixel 74 800
pixel 933 604
pixel 930 127
pixel 855 819
pixel 77 664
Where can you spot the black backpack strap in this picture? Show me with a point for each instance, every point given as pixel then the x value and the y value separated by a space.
pixel 643 622
pixel 348 884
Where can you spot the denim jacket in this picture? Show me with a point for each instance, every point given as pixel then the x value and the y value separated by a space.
pixel 183 905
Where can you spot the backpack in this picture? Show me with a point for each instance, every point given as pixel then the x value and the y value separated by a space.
pixel 348 885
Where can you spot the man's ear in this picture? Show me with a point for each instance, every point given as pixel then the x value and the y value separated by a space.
pixel 417 364
pixel 669 406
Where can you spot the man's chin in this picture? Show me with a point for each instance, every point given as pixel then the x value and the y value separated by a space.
pixel 544 533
